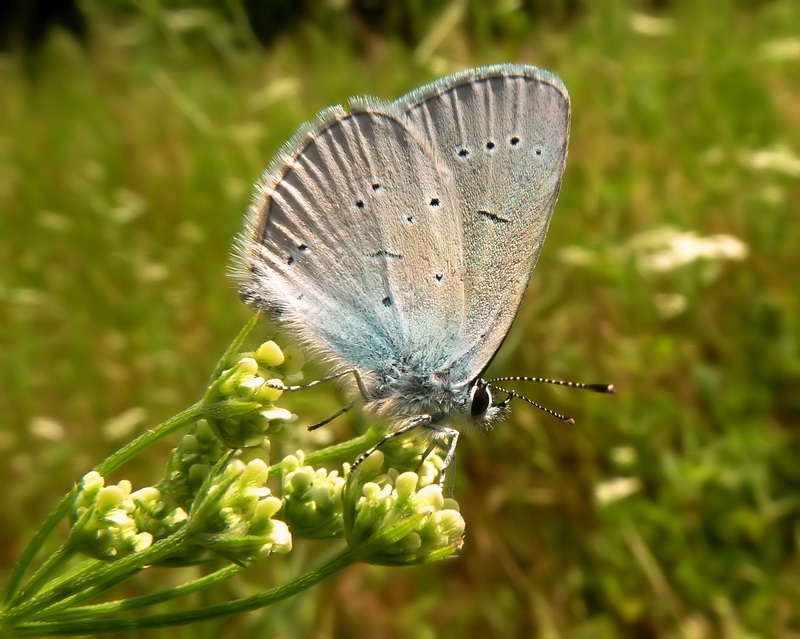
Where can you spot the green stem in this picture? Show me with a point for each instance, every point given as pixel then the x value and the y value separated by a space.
pixel 51 565
pixel 100 579
pixel 56 613
pixel 191 414
pixel 129 451
pixel 349 449
pixel 233 348
pixel 25 560
pixel 88 593
pixel 184 418
pixel 311 578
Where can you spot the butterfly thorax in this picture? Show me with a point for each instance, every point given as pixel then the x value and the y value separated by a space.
pixel 400 394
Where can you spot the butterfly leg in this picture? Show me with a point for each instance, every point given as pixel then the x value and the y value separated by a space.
pixel 411 425
pixel 431 447
pixel 359 381
pixel 341 411
pixel 450 456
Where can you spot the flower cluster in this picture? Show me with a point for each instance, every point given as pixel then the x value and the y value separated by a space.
pixel 110 522
pixel 244 396
pixel 223 506
pixel 190 463
pixel 412 452
pixel 233 517
pixel 377 504
pixel 312 499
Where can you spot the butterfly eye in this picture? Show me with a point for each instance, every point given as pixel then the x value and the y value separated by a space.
pixel 481 400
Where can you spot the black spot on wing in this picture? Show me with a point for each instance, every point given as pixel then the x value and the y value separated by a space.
pixel 493 217
pixel 382 253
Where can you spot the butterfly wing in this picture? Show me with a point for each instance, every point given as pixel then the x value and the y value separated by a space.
pixel 502 131
pixel 354 240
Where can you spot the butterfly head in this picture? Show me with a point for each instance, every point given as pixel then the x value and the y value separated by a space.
pixel 482 410
pixel 448 401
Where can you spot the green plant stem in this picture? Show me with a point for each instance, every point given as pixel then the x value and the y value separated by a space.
pixel 129 451
pixel 311 578
pixel 100 579
pixel 92 591
pixel 117 459
pixel 233 348
pixel 349 449
pixel 25 560
pixel 51 565
pixel 346 558
pixel 114 607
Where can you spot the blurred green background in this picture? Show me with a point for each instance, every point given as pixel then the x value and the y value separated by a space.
pixel 129 142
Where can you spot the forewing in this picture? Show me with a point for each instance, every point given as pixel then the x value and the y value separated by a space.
pixel 354 240
pixel 503 132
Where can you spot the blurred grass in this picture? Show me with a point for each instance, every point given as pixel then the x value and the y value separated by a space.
pixel 126 168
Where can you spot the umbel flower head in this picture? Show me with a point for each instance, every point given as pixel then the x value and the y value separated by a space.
pixel 233 518
pixel 312 499
pixel 243 396
pixel 190 463
pixel 239 413
pixel 234 514
pixel 400 518
pixel 110 522
pixel 222 506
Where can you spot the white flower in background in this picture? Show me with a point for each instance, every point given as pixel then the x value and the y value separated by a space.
pixel 46 429
pixel 124 424
pixel 185 20
pixel 646 25
pixel 772 195
pixel 615 489
pixel 714 156
pixel 624 456
pixel 576 256
pixel 278 90
pixel 52 221
pixel 666 249
pixel 127 207
pixel 783 50
pixel 779 159
pixel 670 305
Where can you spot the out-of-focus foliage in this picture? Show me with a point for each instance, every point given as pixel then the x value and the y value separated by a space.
pixel 671 270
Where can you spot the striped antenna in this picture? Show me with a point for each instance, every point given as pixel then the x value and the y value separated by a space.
pixel 595 388
pixel 562 417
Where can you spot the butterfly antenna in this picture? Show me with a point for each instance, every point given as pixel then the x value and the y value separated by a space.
pixel 549 411
pixel 595 388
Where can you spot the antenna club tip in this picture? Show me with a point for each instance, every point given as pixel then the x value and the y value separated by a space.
pixel 601 388
pixel 569 420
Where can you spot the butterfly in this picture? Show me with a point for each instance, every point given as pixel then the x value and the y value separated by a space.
pixel 396 239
